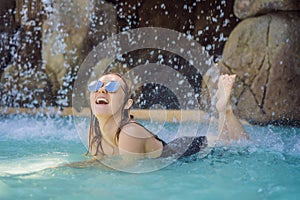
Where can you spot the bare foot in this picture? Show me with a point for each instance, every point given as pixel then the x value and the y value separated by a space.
pixel 223 93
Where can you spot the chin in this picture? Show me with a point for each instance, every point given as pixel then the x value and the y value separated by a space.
pixel 101 110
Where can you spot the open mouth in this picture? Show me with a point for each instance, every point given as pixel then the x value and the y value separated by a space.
pixel 101 100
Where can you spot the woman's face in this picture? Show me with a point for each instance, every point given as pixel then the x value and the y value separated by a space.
pixel 105 103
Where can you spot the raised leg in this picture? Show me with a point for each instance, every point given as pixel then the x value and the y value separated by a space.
pixel 230 127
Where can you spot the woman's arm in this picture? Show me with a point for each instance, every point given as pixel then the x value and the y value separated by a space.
pixel 94 162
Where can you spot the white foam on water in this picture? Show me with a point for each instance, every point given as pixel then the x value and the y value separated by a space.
pixel 43 128
pixel 28 165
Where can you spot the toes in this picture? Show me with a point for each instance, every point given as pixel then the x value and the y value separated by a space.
pixel 226 80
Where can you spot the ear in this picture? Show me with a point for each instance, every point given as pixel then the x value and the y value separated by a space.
pixel 129 104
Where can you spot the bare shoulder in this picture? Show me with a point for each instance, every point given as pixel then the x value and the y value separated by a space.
pixel 132 139
pixel 135 130
pixel 136 139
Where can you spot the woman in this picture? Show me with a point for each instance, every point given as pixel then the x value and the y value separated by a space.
pixel 114 132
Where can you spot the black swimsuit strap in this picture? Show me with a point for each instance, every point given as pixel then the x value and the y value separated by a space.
pixel 135 122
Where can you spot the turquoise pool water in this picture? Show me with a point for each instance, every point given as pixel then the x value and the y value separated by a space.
pixel 268 167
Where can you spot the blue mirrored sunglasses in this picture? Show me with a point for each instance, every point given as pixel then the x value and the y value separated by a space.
pixel 111 86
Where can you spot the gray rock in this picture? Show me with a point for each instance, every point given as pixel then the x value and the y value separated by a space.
pixel 264 53
pixel 249 8
pixel 70 32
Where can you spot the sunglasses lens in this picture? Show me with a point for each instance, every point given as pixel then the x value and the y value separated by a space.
pixel 95 86
pixel 112 86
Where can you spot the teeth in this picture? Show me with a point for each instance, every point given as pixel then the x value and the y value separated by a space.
pixel 101 101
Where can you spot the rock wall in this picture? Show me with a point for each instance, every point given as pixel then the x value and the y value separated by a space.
pixel 24 82
pixel 264 50
pixel 7 28
pixel 209 22
pixel 70 32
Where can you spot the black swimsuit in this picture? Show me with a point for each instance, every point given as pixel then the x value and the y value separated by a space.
pixel 179 147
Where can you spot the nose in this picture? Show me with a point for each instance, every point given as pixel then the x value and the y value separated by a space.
pixel 102 90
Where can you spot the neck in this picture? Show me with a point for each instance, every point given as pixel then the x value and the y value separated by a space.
pixel 109 126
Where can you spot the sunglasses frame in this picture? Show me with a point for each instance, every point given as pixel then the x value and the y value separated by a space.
pixel 94 86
